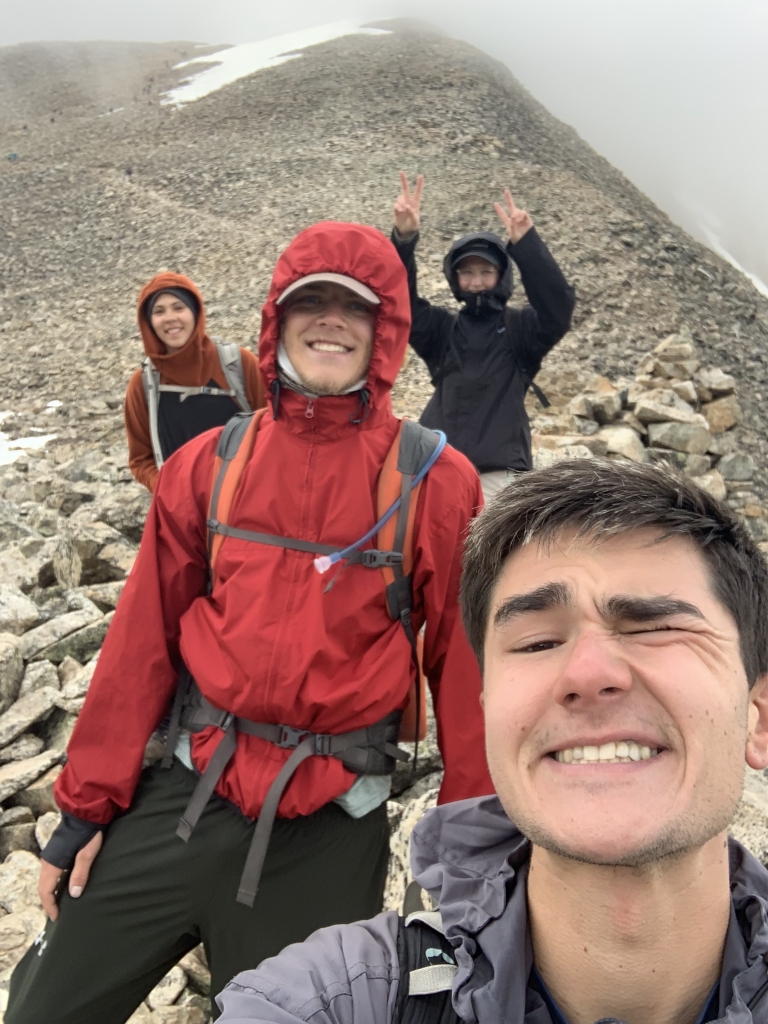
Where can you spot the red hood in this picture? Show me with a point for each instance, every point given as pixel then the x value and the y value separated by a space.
pixel 360 252
pixel 187 366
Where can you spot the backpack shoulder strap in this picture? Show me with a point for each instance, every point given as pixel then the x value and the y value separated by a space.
pixel 233 451
pixel 410 451
pixel 231 360
pixel 427 970
pixel 150 378
pixel 513 321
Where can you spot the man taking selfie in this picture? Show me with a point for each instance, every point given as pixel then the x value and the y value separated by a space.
pixel 619 613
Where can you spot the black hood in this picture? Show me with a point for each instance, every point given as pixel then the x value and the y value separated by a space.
pixel 479 302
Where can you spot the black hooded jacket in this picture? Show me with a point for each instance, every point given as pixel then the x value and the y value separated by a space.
pixel 483 359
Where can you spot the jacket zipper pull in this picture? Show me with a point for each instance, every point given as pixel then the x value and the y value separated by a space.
pixel 310 410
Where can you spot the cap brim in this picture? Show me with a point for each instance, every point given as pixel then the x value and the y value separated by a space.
pixel 485 254
pixel 346 282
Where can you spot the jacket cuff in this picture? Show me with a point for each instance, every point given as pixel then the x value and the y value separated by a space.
pixel 530 239
pixel 68 839
pixel 399 239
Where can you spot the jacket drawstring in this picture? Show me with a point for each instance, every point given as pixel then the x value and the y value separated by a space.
pixel 363 408
pixel 274 387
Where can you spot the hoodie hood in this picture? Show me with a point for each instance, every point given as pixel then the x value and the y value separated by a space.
pixel 364 254
pixel 478 302
pixel 190 365
pixel 474 862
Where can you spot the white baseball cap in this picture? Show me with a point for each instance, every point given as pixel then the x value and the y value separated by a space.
pixel 346 282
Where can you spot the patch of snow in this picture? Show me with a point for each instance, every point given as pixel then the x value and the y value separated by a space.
pixel 242 60
pixel 115 111
pixel 714 243
pixel 10 451
pixel 6 414
pixel 53 406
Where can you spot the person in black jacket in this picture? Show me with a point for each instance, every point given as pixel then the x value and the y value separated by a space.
pixel 483 359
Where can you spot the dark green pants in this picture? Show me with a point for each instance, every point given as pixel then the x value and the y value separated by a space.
pixel 151 898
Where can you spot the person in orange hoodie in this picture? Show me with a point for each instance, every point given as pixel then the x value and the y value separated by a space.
pixel 188 384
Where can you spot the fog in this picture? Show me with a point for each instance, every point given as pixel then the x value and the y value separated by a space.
pixel 673 92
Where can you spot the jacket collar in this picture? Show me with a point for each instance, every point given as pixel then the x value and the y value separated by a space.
pixel 474 862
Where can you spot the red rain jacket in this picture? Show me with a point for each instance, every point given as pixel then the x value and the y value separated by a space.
pixel 269 643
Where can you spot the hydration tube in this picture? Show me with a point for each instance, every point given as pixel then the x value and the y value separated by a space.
pixel 324 562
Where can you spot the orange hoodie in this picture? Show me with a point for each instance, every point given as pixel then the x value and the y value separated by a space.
pixel 191 366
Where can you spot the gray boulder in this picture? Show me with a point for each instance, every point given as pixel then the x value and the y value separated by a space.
pixel 736 466
pixel 36 640
pixel 25 712
pixel 37 675
pixel 692 438
pixel 17 776
pixel 11 670
pixel 17 612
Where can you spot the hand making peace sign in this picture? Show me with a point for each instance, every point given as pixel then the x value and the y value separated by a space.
pixel 407 214
pixel 517 222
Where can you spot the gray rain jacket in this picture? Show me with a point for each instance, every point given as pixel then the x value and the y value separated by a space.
pixel 473 860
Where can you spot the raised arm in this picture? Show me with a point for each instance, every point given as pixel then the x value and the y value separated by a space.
pixel 551 298
pixel 429 324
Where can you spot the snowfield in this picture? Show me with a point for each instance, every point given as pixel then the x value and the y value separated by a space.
pixel 240 61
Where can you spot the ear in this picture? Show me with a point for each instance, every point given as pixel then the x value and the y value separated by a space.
pixel 757 739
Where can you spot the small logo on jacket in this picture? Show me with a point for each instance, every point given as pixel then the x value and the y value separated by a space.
pixel 433 954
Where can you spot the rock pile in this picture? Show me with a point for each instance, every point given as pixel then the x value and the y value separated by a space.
pixel 676 410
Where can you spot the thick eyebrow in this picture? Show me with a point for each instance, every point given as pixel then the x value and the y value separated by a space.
pixel 647 609
pixel 551 595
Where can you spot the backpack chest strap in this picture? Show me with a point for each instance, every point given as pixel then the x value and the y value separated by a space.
pixel 370 558
pixel 185 392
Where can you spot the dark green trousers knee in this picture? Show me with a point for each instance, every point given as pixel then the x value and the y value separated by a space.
pixel 151 898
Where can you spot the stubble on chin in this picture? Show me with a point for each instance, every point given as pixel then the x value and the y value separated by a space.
pixel 683 835
pixel 326 389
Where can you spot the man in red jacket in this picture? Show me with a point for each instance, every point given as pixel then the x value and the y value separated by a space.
pixel 277 653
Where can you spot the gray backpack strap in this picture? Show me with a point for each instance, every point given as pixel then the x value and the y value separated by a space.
pixel 151 379
pixel 231 360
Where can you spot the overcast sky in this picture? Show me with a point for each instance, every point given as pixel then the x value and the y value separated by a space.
pixel 673 92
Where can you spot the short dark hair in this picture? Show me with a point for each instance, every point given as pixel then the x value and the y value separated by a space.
pixel 599 498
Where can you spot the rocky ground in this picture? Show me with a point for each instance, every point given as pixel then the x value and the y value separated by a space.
pixel 102 185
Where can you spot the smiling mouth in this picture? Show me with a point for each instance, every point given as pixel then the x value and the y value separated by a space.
pixel 329 346
pixel 623 752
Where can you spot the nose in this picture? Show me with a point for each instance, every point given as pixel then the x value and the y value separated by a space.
pixel 594 673
pixel 333 315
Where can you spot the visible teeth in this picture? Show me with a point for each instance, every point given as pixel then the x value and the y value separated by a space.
pixel 327 346
pixel 624 752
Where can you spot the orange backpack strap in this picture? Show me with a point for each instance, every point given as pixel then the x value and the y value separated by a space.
pixel 409 452
pixel 233 452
